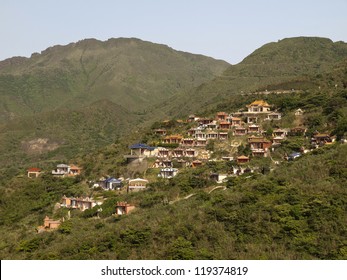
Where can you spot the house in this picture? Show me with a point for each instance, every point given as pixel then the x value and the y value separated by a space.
pixel 141 150
pixel 178 152
pixel 258 142
pixel 299 112
pixel 78 203
pixel 228 158
pixel 259 153
pixel 200 142
pixel 173 139
pixel 205 121
pixel 123 208
pixel 212 135
pixel 241 170
pixel 187 142
pixel 168 173
pixel 113 184
pixel 253 128
pixel 218 178
pixel 236 121
pixel 33 172
pixel 212 125
pixel 240 131
pixel 276 141
pixel 221 116
pixel 252 119
pixel 223 125
pixel 137 184
pixel 297 131
pixel 279 133
pixel 61 170
pixel 162 163
pixel 223 135
pixel 64 170
pixel 160 131
pixel 74 170
pixel 321 139
pixel 258 106
pixel 259 146
pixel 200 134
pixel 48 224
pixel 191 152
pixel 274 116
pixel 242 159
pixel 163 153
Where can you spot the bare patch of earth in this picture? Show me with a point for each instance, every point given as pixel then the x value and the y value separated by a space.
pixel 39 146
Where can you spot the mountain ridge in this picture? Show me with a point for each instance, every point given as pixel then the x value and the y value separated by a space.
pixel 128 71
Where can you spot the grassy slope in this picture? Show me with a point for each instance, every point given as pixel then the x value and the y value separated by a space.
pixel 293 59
pixel 129 72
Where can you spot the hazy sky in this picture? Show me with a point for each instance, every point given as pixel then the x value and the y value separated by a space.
pixel 223 29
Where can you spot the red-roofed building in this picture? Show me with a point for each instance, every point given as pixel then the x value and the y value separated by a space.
pixel 221 116
pixel 34 172
pixel 224 125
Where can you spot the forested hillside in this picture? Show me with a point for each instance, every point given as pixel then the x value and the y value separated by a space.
pixel 284 198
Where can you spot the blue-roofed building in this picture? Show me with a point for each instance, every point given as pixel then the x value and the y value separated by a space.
pixel 113 184
pixel 109 184
pixel 141 149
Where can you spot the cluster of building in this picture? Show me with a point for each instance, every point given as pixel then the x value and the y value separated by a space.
pixel 189 148
pixel 62 170
pixel 82 204
pixel 131 185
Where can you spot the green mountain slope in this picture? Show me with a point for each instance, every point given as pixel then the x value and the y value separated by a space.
pixel 296 211
pixel 74 98
pixel 292 59
pixel 129 72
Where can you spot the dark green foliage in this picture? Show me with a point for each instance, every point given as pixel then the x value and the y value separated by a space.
pixel 181 249
pixel 135 237
pixel 65 227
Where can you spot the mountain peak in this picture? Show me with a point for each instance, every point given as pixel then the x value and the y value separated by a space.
pixel 298 50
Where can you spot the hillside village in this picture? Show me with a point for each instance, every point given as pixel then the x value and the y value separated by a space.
pixel 177 160
pixel 244 140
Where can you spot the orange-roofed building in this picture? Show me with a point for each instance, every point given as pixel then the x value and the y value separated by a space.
pixel 242 159
pixel 259 106
pixel 236 121
pixel 75 170
pixel 48 224
pixel 221 116
pixel 224 125
pixel 173 139
pixel 33 172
